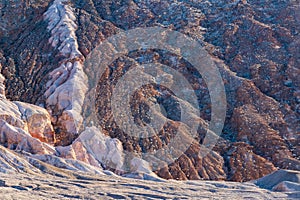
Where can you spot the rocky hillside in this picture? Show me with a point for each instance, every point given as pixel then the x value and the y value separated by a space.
pixel 45 48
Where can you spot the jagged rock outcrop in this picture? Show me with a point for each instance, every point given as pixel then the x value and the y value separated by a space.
pixel 26 127
pixel 67 84
pixel 38 122
pixel 241 157
pixel 95 148
pixel 42 54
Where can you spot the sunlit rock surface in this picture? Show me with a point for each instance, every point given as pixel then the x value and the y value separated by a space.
pixel 67 84
pixel 254 44
pixel 38 122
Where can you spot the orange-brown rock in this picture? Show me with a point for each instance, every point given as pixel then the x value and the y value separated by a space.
pixel 241 158
pixel 255 47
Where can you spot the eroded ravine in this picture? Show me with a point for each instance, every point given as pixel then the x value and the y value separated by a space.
pixel 43 58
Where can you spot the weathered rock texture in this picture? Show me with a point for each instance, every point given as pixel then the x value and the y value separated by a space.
pixel 66 87
pixel 253 43
pixel 281 180
pixel 69 185
pixel 73 185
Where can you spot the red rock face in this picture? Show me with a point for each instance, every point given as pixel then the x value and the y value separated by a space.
pixel 254 44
